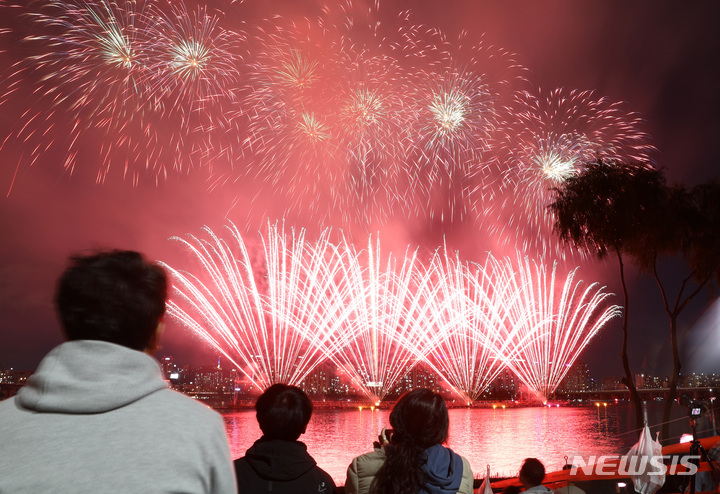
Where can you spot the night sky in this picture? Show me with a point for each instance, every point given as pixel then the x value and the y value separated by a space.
pixel 661 58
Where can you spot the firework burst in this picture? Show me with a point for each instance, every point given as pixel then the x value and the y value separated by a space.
pixel 87 77
pixel 192 59
pixel 125 81
pixel 550 140
pixel 339 117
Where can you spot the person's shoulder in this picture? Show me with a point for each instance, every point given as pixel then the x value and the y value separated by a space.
pixel 372 456
pixel 241 463
pixel 177 404
pixel 324 475
pixel 243 470
pixel 466 485
pixel 9 406
pixel 8 402
pixel 369 463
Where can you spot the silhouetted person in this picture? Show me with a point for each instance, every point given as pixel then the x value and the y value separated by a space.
pixel 532 473
pixel 97 416
pixel 278 462
pixel 412 459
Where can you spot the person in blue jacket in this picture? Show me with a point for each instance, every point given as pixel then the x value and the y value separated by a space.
pixel 278 462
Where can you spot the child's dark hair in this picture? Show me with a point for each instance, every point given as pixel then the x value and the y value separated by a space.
pixel 283 412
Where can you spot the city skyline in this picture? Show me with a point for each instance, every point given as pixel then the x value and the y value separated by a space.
pixel 327 382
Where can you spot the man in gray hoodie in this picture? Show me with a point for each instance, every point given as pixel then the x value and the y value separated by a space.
pixel 97 415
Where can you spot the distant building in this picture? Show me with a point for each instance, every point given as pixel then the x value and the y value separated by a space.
pixel 577 379
pixel 654 382
pixel 611 384
pixel 699 380
pixel 639 381
pixel 319 380
pixel 421 377
pixel 504 387
pixel 15 376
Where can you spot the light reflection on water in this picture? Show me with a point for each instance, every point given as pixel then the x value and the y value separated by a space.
pixel 500 438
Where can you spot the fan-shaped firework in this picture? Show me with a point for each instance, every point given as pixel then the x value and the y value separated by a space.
pixel 472 314
pixel 555 319
pixel 383 329
pixel 376 317
pixel 253 319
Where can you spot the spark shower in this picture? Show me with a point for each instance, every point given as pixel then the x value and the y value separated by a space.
pixel 376 316
pixel 351 116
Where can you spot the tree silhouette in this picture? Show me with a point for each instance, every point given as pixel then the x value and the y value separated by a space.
pixel 611 208
pixel 686 229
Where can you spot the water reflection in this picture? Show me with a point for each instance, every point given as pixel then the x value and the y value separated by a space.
pixel 500 438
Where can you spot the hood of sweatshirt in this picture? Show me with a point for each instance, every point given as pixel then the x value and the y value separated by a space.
pixel 444 470
pixel 274 459
pixel 88 376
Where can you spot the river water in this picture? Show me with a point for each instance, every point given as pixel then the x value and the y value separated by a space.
pixel 501 438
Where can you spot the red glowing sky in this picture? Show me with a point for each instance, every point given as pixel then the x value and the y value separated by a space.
pixel 662 58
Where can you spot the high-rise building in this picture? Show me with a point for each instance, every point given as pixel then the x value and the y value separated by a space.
pixel 577 379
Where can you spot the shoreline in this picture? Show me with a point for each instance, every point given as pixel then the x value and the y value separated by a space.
pixel 340 405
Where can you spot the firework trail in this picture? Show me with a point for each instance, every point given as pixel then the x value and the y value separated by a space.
pixel 383 329
pixel 376 316
pixel 248 316
pixel 555 319
pixel 550 139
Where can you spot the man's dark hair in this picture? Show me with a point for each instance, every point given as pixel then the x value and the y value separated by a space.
pixel 114 296
pixel 532 472
pixel 283 412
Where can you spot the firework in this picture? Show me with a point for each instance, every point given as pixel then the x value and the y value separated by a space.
pixel 125 81
pixel 87 76
pixel 376 316
pixel 250 318
pixel 470 321
pixel 549 140
pixel 553 321
pixel 192 60
pixel 458 90
pixel 383 328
